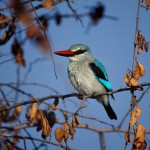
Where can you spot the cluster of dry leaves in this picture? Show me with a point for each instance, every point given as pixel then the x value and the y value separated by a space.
pixel 44 120
pixel 131 78
pixel 142 43
pixel 63 133
pixel 9 116
pixel 22 13
pixel 139 141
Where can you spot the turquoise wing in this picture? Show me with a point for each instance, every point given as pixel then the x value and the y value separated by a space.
pixel 101 74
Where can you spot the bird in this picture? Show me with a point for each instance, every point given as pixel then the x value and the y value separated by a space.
pixel 88 75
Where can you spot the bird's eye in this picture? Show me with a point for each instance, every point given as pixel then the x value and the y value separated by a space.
pixel 79 52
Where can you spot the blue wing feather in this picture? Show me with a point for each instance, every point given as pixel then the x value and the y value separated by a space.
pixel 101 74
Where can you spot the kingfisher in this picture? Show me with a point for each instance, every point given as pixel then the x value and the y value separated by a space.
pixel 88 75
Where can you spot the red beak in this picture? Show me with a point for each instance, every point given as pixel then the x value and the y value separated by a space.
pixel 66 53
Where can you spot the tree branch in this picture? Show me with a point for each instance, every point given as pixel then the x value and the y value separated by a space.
pixel 39 100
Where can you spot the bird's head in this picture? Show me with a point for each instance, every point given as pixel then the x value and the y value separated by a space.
pixel 76 52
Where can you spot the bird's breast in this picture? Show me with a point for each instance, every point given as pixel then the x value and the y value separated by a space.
pixel 83 79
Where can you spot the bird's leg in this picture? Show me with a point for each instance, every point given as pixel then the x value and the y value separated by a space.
pixel 82 104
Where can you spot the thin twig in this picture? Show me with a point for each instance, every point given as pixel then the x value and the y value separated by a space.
pixel 136 33
pixel 32 138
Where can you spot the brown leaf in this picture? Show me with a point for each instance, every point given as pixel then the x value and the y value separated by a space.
pixel 18 52
pixel 127 137
pixel 59 134
pixel 58 18
pixel 133 118
pixel 66 126
pixel 45 127
pixel 21 11
pixel 146 46
pixel 72 132
pixel 48 4
pixel 142 69
pixel 39 126
pixel 134 101
pixel 147 2
pixel 51 118
pixel 44 22
pixel 4 114
pixel 66 136
pixel 138 112
pixel 56 101
pixel 139 71
pixel 37 35
pixel 133 83
pixel 53 107
pixel 139 50
pixel 139 136
pixel 5 24
pixel 127 78
pixel 31 111
pixel 75 121
pixel 8 34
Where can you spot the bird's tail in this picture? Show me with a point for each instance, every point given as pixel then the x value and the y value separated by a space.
pixel 110 111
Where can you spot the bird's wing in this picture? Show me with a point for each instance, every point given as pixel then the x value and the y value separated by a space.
pixel 101 74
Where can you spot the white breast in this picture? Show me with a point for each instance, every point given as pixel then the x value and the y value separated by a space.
pixel 83 79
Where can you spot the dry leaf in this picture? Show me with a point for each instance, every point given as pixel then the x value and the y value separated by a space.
pixel 138 112
pixel 45 127
pixel 37 35
pixel 8 34
pixel 39 126
pixel 58 18
pixel 44 22
pixel 51 118
pixel 133 101
pixel 127 78
pixel 56 101
pixel 139 137
pixel 53 107
pixel 18 110
pixel 139 50
pixel 133 118
pixel 66 126
pixel 66 136
pixel 127 137
pixel 59 134
pixel 142 69
pixel 72 132
pixel 146 46
pixel 75 121
pixel 147 2
pixel 140 133
pixel 139 71
pixel 21 11
pixel 4 114
pixel 18 52
pixel 5 24
pixel 31 111
pixel 48 4
pixel 130 81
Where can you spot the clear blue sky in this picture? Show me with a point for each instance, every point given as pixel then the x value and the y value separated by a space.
pixel 112 43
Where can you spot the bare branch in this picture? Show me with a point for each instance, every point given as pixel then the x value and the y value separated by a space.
pixel 39 100
pixel 32 138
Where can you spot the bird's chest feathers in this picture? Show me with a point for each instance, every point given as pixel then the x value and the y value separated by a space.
pixel 83 78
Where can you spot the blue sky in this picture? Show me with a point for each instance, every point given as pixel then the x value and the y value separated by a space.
pixel 111 42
